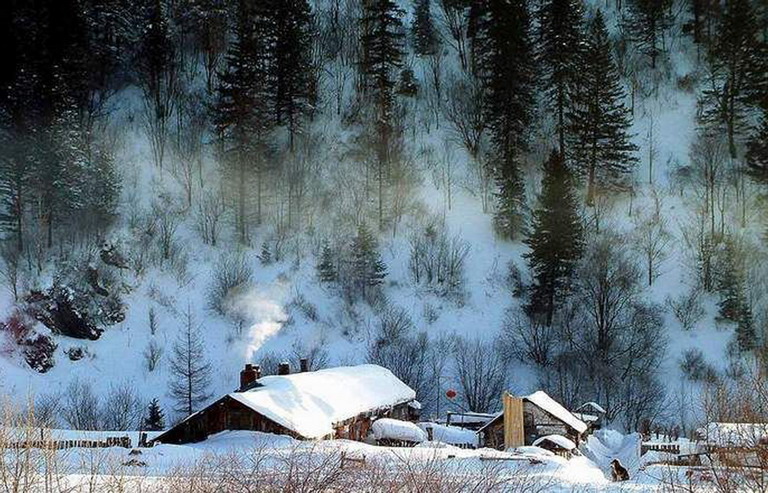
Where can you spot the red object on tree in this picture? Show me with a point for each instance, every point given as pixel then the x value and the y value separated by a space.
pixel 450 393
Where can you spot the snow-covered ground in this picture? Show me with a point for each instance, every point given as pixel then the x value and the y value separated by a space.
pixel 230 454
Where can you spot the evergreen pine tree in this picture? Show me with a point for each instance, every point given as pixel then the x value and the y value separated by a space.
pixel 382 55
pixel 561 39
pixel 757 151
pixel 730 282
pixel 367 269
pixel 556 240
pixel 155 419
pixel 424 36
pixel 646 22
pixel 746 336
pixel 505 66
pixel 326 267
pixel 157 68
pixel 293 74
pixel 190 370
pixel 599 122
pixel 242 113
pixel 737 74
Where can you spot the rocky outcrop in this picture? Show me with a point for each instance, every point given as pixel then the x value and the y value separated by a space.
pixel 56 310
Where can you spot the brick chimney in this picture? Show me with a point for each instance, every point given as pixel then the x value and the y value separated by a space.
pixel 284 368
pixel 248 375
pixel 304 365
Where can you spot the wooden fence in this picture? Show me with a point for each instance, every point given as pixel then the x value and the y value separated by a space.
pixel 670 448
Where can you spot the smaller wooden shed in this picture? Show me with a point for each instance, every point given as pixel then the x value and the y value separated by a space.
pixel 528 418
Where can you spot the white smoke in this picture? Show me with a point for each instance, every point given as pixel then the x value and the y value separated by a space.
pixel 261 313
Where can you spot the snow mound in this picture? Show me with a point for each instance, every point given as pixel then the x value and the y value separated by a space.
pixel 531 450
pixel 558 440
pixel 606 445
pixel 451 434
pixel 394 429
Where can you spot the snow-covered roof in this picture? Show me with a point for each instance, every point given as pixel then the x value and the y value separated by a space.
pixel 558 440
pixel 734 434
pixel 594 405
pixel 587 418
pixel 470 418
pixel 453 435
pixel 394 429
pixel 545 402
pixel 311 403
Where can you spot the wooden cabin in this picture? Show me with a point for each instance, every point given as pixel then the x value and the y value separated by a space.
pixel 332 403
pixel 528 418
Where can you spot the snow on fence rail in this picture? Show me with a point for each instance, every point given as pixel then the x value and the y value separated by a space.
pixel 61 439
pixel 670 448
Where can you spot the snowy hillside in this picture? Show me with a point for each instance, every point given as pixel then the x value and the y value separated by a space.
pixel 279 278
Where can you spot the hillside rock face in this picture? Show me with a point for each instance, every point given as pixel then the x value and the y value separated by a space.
pixel 56 310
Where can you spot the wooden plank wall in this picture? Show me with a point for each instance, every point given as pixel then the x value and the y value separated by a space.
pixel 513 421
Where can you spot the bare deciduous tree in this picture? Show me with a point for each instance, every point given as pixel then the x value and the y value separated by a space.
pixel 152 355
pixel 455 21
pixel 122 408
pixel 210 211
pixel 652 239
pixel 480 372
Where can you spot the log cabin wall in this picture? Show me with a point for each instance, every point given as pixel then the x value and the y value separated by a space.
pixel 538 423
pixel 229 414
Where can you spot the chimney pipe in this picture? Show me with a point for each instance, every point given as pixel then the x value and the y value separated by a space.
pixel 304 365
pixel 284 369
pixel 247 376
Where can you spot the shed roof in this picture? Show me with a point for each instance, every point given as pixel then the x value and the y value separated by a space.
pixel 545 402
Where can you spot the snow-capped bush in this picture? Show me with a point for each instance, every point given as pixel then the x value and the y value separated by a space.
pixel 230 275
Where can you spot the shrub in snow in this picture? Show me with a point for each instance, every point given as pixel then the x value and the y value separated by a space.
pixel 17 326
pixel 122 408
pixel 75 353
pixel 430 313
pixel 696 368
pixel 81 406
pixel 231 275
pixel 152 355
pixel 437 260
pixel 687 308
pixel 38 352
pixel 305 307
